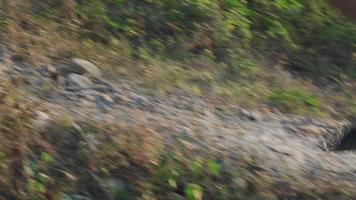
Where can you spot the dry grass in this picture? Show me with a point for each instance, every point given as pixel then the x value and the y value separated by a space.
pixel 41 164
pixel 55 38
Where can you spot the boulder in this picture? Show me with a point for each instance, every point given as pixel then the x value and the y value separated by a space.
pixel 82 67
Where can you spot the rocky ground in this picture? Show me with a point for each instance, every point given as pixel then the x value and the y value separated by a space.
pixel 290 148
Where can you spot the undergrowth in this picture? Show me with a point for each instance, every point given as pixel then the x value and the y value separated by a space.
pixel 234 51
pixel 65 159
pixel 254 53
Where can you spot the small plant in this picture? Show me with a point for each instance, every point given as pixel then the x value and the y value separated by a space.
pixel 213 167
pixel 294 100
pixel 193 191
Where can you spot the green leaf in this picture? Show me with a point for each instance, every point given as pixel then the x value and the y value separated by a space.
pixel 35 186
pixel 44 178
pixel 45 157
pixel 193 192
pixel 172 183
pixel 196 168
pixel 213 167
pixel 31 168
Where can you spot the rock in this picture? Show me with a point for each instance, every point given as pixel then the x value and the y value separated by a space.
pixel 101 88
pixel 87 103
pixel 182 104
pixel 311 129
pixel 138 100
pixel 69 95
pixel 90 94
pixel 41 119
pixel 77 80
pixel 104 102
pixel 49 69
pixel 120 98
pixel 82 67
pixel 253 116
pixel 106 98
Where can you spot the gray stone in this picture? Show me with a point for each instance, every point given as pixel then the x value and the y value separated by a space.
pixel 48 71
pixel 90 94
pixel 251 115
pixel 51 70
pixel 101 88
pixel 69 95
pixel 76 80
pixel 41 120
pixel 138 99
pixel 104 102
pixel 80 66
pixel 120 98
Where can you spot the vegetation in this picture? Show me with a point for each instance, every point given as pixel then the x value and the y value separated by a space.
pixel 215 48
pixel 63 165
pixel 295 55
pixel 59 161
pixel 294 99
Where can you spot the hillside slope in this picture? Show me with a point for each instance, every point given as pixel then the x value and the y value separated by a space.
pixel 193 99
pixel 293 55
pixel 78 136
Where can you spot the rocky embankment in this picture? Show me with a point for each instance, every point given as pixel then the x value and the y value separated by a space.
pixel 291 148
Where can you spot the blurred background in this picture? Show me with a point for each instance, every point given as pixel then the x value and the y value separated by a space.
pixel 278 57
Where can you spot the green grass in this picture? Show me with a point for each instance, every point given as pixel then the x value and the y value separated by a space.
pixel 295 100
